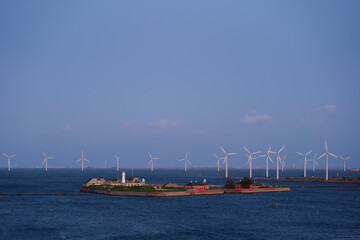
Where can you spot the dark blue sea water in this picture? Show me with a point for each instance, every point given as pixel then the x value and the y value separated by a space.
pixel 303 213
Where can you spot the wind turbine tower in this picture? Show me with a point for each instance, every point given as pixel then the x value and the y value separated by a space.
pixel 344 159
pixel 267 155
pixel 226 160
pixel 326 154
pixel 9 157
pixel 283 163
pixel 250 158
pixel 314 162
pixel 218 162
pixel 278 159
pixel 117 162
pixel 304 155
pixel 152 161
pixel 82 159
pixel 46 160
pixel 185 160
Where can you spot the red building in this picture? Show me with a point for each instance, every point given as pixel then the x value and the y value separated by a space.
pixel 195 185
pixel 239 186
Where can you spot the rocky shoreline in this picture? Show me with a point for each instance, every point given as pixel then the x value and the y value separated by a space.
pixel 183 193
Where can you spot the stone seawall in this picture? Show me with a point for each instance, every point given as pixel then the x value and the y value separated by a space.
pixel 258 190
pixel 154 194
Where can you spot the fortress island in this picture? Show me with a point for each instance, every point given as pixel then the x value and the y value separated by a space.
pixel 137 187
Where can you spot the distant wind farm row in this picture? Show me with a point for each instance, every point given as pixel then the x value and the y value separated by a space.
pixel 280 160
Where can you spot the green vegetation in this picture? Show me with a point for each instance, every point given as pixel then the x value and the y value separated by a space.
pixel 204 183
pixel 245 182
pixel 134 188
pixel 98 187
pixel 171 189
pixel 130 179
pixel 258 184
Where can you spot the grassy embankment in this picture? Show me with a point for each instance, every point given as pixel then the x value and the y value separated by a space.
pixel 136 188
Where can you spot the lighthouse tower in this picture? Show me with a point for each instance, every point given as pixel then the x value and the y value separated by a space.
pixel 123 177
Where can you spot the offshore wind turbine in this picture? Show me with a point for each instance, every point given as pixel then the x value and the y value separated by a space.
pixel 277 160
pixel 344 159
pixel 152 161
pixel 267 155
pixel 304 155
pixel 283 162
pixel 9 157
pixel 117 162
pixel 250 158
pixel 46 160
pixel 314 162
pixel 218 161
pixel 185 160
pixel 326 154
pixel 82 159
pixel 226 160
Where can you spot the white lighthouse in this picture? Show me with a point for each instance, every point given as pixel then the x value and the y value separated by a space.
pixel 123 177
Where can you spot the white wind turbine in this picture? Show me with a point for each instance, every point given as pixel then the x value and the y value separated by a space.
pixel 226 160
pixel 314 162
pixel 250 158
pixel 117 162
pixel 82 159
pixel 218 161
pixel 46 160
pixel 283 162
pixel 344 159
pixel 304 155
pixel 277 160
pixel 267 155
pixel 9 157
pixel 185 160
pixel 152 161
pixel 327 160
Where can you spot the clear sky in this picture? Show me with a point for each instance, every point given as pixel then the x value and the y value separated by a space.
pixel 128 77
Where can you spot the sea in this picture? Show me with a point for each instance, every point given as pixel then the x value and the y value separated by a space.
pixel 55 209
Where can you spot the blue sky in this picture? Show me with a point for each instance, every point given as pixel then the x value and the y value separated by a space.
pixel 128 77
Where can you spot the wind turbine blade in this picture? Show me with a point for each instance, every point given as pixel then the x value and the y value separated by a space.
pixel 186 155
pixel 246 150
pixel 284 157
pixel 223 150
pixel 155 158
pixel 216 156
pixel 86 160
pixel 188 161
pixel 316 163
pixel 282 148
pixel 256 152
pixel 269 150
pixel 308 152
pixel 13 155
pixel 6 155
pixel 321 156
pixel 150 155
pixel 44 153
pixel 270 158
pixel 231 154
pixel 43 161
pixel 300 154
pixel 78 160
pixel 51 158
pixel 347 158
pixel 262 156
pixel 326 146
pixel 333 155
pixel 183 159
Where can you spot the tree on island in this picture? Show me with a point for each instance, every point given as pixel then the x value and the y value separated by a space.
pixel 246 182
